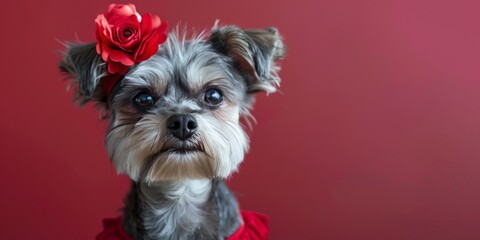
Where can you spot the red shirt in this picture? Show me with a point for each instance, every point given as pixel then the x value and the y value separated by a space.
pixel 254 227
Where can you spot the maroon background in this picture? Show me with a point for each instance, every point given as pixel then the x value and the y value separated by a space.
pixel 375 135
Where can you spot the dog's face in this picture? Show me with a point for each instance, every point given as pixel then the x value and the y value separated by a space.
pixel 177 114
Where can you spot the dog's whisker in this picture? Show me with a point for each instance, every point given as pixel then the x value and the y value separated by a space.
pixel 119 126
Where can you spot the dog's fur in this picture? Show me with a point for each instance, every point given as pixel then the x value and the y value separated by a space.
pixel 177 184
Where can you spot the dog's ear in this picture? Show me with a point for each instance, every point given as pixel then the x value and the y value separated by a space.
pixel 85 68
pixel 253 53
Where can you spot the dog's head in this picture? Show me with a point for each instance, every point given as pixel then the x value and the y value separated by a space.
pixel 177 114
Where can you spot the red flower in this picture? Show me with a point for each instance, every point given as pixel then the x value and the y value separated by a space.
pixel 125 38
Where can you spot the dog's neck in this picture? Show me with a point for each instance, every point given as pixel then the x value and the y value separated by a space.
pixel 187 209
pixel 175 205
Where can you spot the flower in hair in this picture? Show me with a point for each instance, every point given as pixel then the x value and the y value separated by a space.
pixel 124 37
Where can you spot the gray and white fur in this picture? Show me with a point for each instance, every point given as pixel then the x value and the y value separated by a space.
pixel 175 125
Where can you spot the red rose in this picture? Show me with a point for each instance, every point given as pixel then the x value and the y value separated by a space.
pixel 125 38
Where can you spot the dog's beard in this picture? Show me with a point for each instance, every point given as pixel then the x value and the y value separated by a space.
pixel 147 152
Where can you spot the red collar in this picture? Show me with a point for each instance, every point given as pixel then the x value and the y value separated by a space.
pixel 254 227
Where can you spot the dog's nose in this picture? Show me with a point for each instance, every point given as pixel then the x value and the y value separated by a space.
pixel 182 126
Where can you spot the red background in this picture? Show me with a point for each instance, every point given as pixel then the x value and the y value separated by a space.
pixel 375 135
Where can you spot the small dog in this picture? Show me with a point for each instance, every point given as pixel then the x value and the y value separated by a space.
pixel 175 126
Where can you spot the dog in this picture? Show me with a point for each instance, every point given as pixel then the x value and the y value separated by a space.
pixel 175 127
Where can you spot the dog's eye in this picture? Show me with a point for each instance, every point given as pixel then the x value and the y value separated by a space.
pixel 143 100
pixel 213 97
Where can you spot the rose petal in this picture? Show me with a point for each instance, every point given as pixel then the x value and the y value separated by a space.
pixel 162 38
pixel 148 49
pixel 156 22
pixel 147 23
pixel 144 44
pixel 105 51
pixel 149 43
pixel 121 10
pixel 98 46
pixel 122 51
pixel 103 27
pixel 111 7
pixel 131 43
pixel 163 28
pixel 115 67
pixel 120 56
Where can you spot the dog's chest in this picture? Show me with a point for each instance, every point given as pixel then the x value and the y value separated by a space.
pixel 177 210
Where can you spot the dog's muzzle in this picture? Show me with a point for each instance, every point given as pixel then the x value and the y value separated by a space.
pixel 182 126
